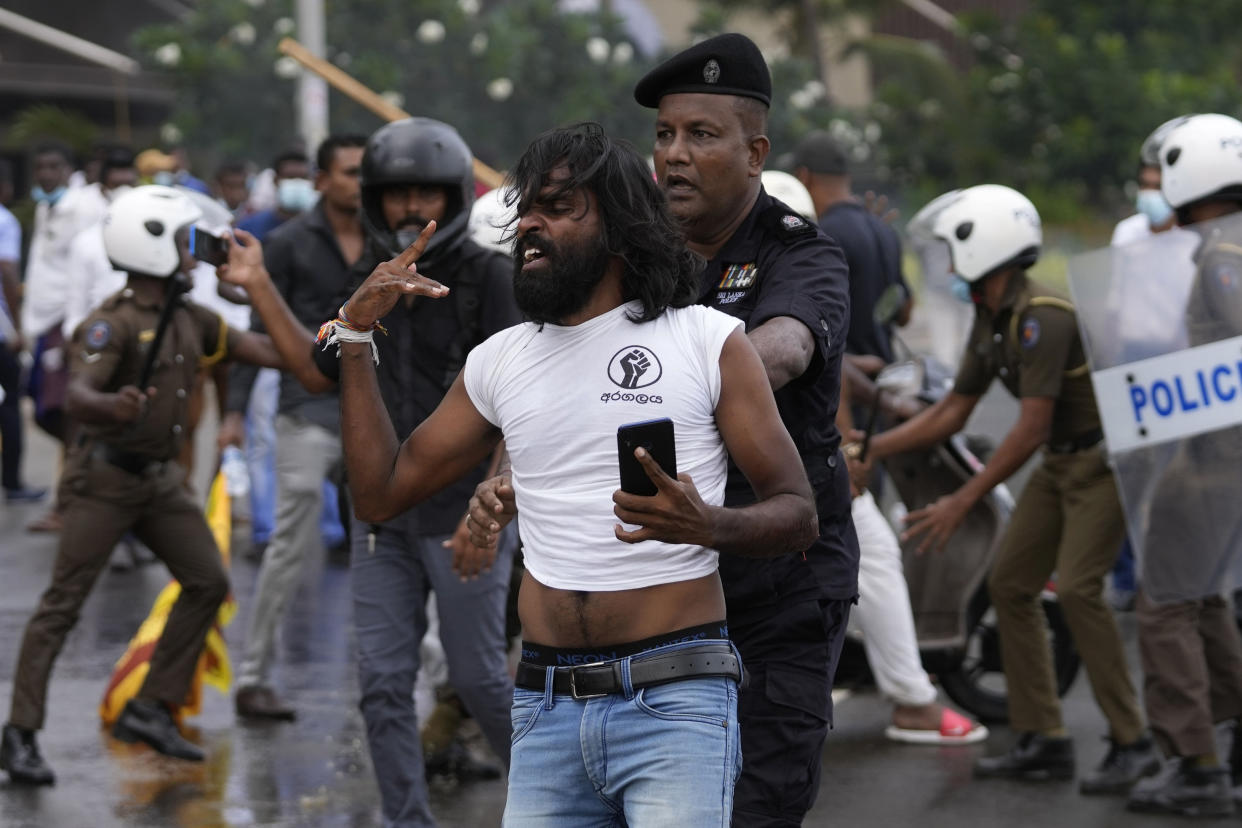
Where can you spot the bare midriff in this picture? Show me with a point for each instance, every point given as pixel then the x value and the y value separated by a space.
pixel 568 618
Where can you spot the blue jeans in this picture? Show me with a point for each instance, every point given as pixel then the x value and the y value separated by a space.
pixel 659 756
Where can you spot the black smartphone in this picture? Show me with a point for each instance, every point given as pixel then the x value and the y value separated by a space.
pixel 656 436
pixel 208 248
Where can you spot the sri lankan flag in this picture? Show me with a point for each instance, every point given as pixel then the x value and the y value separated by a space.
pixel 213 664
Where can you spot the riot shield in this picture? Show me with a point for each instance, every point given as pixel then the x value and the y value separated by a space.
pixel 1161 323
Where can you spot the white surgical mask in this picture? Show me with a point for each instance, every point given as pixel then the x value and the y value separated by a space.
pixel 1152 204
pixel 295 195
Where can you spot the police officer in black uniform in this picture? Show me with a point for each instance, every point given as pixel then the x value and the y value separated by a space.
pixel 121 473
pixel 415 171
pixel 768 266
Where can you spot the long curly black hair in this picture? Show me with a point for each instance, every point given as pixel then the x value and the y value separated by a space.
pixel 660 271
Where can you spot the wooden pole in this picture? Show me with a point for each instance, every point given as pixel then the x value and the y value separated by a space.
pixel 347 85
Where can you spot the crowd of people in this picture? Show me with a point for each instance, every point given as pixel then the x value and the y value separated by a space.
pixel 435 377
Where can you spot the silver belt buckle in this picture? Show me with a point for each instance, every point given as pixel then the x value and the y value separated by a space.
pixel 573 687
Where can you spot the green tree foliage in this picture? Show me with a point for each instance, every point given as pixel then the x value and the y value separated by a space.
pixel 1059 102
pixel 499 72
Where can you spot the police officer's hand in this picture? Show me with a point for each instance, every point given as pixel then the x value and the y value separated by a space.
pixel 492 507
pixel 936 523
pixel 858 467
pixel 674 514
pixel 129 403
pixel 245 263
pixel 469 559
pixel 390 281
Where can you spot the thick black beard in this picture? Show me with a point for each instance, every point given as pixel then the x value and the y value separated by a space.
pixel 564 286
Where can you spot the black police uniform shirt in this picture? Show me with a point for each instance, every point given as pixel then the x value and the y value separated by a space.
pixel 416 354
pixel 873 253
pixel 778 264
pixel 110 349
pixel 309 270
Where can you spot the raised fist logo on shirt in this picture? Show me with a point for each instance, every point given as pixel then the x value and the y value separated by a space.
pixel 634 364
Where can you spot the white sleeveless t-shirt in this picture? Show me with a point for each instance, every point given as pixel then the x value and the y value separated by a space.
pixel 558 394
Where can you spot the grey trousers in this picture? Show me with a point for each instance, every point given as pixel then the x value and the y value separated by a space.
pixel 390 581
pixel 305 455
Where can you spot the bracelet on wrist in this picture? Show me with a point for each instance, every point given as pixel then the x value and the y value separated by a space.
pixel 342 329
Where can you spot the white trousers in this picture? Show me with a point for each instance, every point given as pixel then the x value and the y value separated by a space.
pixel 883 614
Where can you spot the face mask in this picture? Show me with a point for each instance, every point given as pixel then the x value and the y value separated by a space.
pixel 1152 204
pixel 39 194
pixel 164 178
pixel 960 288
pixel 295 195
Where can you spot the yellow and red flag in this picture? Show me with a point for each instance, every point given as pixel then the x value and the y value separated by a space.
pixel 213 665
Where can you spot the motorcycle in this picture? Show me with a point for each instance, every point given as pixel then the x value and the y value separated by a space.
pixel 953 616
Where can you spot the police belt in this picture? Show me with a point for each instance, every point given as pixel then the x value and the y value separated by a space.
pixel 588 681
pixel 1081 442
pixel 126 461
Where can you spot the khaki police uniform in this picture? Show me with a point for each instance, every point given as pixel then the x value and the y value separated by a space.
pixel 120 478
pixel 1191 650
pixel 1068 518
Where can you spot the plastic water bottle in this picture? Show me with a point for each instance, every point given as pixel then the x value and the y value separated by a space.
pixel 236 477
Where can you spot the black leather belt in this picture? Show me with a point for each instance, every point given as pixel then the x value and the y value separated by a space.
pixel 126 461
pixel 589 681
pixel 1081 442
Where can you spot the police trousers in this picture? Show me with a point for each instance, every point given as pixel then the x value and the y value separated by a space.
pixel 1068 520
pixel 791 653
pixel 1192 670
pixel 101 503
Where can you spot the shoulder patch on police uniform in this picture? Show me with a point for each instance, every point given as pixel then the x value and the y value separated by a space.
pixel 787 226
pixel 738 276
pixel 1030 333
pixel 1228 274
pixel 98 334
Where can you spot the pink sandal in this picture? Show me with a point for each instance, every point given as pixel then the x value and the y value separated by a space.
pixel 955 729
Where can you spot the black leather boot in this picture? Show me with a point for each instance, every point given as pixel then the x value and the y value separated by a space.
pixel 19 755
pixel 1034 757
pixel 148 721
pixel 1189 790
pixel 1123 765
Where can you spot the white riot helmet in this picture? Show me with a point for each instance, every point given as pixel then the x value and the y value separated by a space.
pixel 490 220
pixel 784 187
pixel 139 226
pixel 1202 158
pixel 986 228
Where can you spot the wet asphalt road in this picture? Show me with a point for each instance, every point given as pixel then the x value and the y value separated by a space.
pixel 316 772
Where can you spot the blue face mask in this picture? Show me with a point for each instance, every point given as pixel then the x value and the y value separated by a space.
pixel 39 194
pixel 295 195
pixel 164 178
pixel 960 288
pixel 1152 204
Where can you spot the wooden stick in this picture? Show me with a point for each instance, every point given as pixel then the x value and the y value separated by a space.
pixel 346 84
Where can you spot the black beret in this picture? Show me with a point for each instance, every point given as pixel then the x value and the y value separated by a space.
pixel 727 64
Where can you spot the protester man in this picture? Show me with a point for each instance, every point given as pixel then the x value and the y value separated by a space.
pixel 1068 518
pixel 11 439
pixel 1154 213
pixel 309 259
pixel 254 396
pixel 1188 635
pixel 414 172
pixel 788 283
pixel 601 273
pixel 231 188
pixel 871 247
pixel 121 475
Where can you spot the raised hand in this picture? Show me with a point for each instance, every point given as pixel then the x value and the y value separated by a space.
pixel 634 364
pixel 390 281
pixel 245 263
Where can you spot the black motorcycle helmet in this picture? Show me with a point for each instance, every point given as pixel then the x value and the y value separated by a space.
pixel 418 151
